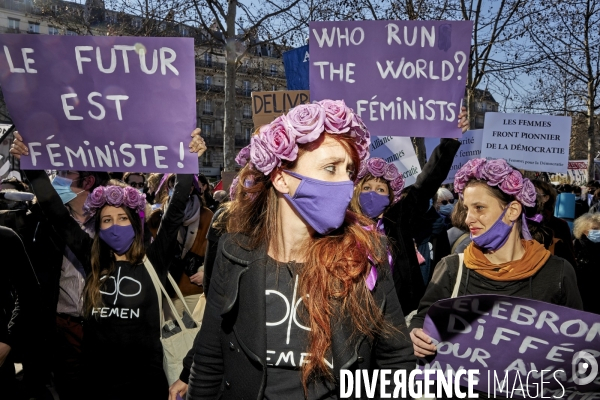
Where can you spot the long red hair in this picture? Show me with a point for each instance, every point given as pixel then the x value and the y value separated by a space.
pixel 335 268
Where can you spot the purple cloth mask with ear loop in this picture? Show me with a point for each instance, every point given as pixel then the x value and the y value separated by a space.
pixel 321 204
pixel 495 237
pixel 373 204
pixel 119 238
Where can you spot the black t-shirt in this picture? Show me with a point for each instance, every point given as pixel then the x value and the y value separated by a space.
pixel 287 337
pixel 127 328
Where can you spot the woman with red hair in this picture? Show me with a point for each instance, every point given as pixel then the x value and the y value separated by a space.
pixel 300 290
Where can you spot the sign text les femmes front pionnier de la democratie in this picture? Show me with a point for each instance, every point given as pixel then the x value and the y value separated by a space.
pixel 101 103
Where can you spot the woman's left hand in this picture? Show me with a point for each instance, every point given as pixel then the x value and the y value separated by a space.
pixel 463 120
pixel 197 278
pixel 197 144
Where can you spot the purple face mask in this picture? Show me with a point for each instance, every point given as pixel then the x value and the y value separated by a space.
pixel 321 204
pixel 372 204
pixel 495 237
pixel 119 238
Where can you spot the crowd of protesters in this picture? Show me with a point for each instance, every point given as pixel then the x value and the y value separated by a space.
pixel 310 220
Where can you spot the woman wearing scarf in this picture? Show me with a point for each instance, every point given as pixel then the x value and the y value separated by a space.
pixel 503 258
pixel 300 290
pixel 587 252
pixel 396 212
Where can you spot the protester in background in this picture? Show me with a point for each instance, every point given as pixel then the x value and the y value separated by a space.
pixel 561 244
pixel 290 232
pixel 116 175
pixel 581 206
pixel 19 304
pixel 188 268
pixel 458 235
pixel 209 201
pixel 587 252
pixel 502 259
pixel 122 346
pixel 152 186
pixel 136 180
pixel 443 201
pixel 595 207
pixel 398 212
pixel 13 183
pixel 220 196
pixel 60 272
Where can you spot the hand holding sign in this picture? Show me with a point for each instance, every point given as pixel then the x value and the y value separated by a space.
pixel 422 343
pixel 463 120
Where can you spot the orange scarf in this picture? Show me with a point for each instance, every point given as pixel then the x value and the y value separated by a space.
pixel 535 257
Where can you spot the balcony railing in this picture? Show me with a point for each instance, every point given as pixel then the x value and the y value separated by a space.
pixel 242 142
pixel 216 140
pixel 207 112
pixel 203 87
pixel 209 64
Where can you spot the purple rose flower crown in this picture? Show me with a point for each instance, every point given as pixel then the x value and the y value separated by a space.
pixel 115 196
pixel 496 173
pixel 379 168
pixel 305 123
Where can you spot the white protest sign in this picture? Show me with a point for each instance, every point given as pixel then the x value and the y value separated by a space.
pixel 470 147
pixel 401 152
pixel 527 141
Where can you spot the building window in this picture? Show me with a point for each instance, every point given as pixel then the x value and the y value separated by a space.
pixel 478 106
pixel 273 70
pixel 479 122
pixel 246 88
pixel 207 82
pixel 274 88
pixel 247 132
pixel 208 59
pixel 53 31
pixel 13 24
pixel 206 129
pixel 71 33
pixel 247 111
pixel 34 27
pixel 208 107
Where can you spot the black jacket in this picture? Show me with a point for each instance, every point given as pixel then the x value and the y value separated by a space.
pixel 587 254
pixel 19 293
pixel 230 350
pixel 554 283
pixel 400 219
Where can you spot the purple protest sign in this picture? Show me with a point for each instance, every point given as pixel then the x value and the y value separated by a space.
pixel 96 103
pixel 404 78
pixel 512 340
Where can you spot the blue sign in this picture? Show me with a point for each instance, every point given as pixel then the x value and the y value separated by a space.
pixel 296 68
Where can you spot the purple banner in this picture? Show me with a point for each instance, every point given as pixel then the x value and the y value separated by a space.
pixel 404 78
pixel 97 103
pixel 519 346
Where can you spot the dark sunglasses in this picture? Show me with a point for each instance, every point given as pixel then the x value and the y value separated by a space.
pixel 444 202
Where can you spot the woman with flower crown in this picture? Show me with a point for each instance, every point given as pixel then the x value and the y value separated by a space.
pixel 379 195
pixel 300 290
pixel 503 258
pixel 123 357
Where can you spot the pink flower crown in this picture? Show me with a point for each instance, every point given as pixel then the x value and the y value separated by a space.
pixel 496 173
pixel 379 168
pixel 115 196
pixel 305 123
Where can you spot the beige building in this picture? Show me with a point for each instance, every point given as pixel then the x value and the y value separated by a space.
pixel 261 67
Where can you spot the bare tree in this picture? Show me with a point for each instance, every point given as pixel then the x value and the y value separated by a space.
pixel 239 27
pixel 566 38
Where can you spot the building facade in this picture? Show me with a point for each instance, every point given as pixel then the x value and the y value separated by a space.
pixel 260 68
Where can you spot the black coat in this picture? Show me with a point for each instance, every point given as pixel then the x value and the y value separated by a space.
pixel 230 350
pixel 400 219
pixel 587 254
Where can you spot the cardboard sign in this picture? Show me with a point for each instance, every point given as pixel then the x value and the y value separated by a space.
pixel 266 106
pixel 527 141
pixel 296 63
pixel 470 147
pixel 97 103
pixel 404 78
pixel 512 340
pixel 401 152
